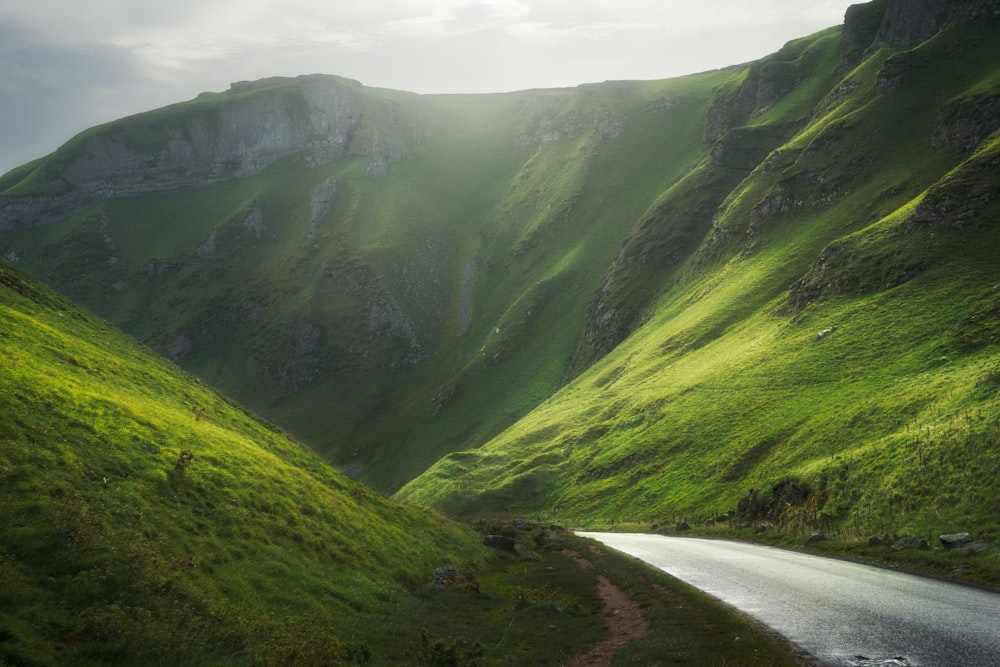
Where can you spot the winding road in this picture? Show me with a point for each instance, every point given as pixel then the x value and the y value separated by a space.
pixel 841 613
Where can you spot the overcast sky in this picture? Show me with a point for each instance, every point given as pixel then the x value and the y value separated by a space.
pixel 66 65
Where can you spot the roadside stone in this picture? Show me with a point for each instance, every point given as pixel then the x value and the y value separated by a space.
pixel 500 542
pixel 955 540
pixel 975 547
pixel 875 541
pixel 817 536
pixel 910 543
pixel 446 577
pixel 682 526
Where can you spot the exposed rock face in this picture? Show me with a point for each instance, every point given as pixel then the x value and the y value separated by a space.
pixel 301 362
pixel 783 496
pixel 221 137
pixel 501 542
pixel 905 23
pixel 967 122
pixel 321 200
pixel 955 540
pixel 910 543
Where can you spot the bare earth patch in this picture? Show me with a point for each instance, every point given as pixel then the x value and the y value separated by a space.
pixel 622 615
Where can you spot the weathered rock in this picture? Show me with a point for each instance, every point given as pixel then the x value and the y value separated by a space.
pixel 783 495
pixel 875 541
pixel 682 526
pixel 501 542
pixel 449 578
pixel 319 118
pixel 817 536
pixel 749 506
pixel 955 540
pixel 910 543
pixel 976 546
pixel 521 524
pixel 904 23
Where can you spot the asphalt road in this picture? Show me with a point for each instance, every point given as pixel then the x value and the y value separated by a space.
pixel 839 612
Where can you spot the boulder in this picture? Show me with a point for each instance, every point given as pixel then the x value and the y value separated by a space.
pixel 976 546
pixel 682 526
pixel 955 540
pixel 910 543
pixel 817 536
pixel 446 577
pixel 501 542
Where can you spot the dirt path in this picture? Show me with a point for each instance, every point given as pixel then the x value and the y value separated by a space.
pixel 622 615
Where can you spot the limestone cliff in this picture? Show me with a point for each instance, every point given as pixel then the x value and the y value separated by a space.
pixel 905 23
pixel 213 138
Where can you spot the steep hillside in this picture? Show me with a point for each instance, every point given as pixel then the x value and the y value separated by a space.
pixel 828 354
pixel 375 287
pixel 145 518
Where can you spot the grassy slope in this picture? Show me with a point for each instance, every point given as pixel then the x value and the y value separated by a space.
pixel 891 419
pixel 143 518
pixel 529 193
pixel 114 543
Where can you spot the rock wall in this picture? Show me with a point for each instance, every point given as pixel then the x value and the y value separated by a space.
pixel 233 135
pixel 905 23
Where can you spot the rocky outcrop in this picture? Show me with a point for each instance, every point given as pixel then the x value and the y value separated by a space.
pixel 905 543
pixel 321 201
pixel 955 540
pixel 845 268
pixel 502 542
pixel 905 23
pixel 214 138
pixel 771 506
pixel 300 363
pixel 965 123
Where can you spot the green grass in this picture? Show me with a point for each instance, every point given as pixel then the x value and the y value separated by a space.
pixel 603 303
pixel 146 518
pixel 145 515
pixel 531 190
pixel 890 418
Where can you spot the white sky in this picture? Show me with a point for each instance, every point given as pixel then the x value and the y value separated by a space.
pixel 66 65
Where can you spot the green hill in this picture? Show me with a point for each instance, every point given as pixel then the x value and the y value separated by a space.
pixel 770 286
pixel 831 346
pixel 143 516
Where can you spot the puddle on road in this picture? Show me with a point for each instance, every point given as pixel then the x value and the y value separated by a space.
pixel 863 661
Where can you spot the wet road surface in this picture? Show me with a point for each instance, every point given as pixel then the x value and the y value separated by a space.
pixel 844 614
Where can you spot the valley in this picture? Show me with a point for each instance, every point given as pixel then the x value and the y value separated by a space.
pixel 762 301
